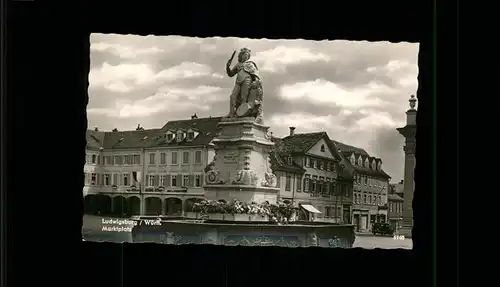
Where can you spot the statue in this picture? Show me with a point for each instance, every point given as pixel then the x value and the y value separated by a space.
pixel 247 95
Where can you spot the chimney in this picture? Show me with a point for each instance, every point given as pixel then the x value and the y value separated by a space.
pixel 115 130
pixel 292 131
pixel 193 117
pixel 402 181
pixel 96 129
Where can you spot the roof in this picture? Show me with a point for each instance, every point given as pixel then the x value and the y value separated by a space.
pixel 394 197
pixel 95 139
pixel 347 150
pixel 150 138
pixel 279 157
pixel 303 142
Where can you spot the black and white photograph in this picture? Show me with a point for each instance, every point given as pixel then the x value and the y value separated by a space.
pixel 253 142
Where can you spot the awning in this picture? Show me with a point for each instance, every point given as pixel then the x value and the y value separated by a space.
pixel 310 208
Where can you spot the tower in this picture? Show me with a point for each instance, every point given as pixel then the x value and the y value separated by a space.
pixel 409 132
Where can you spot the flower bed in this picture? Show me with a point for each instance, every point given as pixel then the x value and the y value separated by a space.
pixel 281 213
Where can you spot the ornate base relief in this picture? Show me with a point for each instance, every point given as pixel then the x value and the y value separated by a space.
pixel 261 240
pixel 270 180
pixel 246 177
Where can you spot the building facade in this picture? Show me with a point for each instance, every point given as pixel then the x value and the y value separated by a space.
pixel 312 174
pixel 148 172
pixel 370 188
pixel 395 214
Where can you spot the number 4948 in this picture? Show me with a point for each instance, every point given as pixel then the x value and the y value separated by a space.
pixel 399 237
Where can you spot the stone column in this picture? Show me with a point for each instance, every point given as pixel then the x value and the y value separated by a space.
pixel 408 188
pixel 409 132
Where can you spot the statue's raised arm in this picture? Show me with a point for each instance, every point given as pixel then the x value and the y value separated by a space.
pixel 247 95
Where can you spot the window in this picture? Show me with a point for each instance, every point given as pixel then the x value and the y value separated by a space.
pixel 151 158
pixel 180 136
pixel 197 180
pixel 346 191
pixel 314 163
pixel 322 148
pixel 380 200
pixel 185 180
pixel 93 179
pixel 197 156
pixel 174 180
pixel 370 199
pixel 163 158
pixel 278 179
pixel 306 183
pixel 366 180
pixel 308 162
pixel 290 160
pixel 118 159
pixel 328 166
pixel 137 159
pixel 288 182
pixel 391 209
pixel 321 165
pixel 313 185
pixel 107 179
pixel 299 184
pixel 126 159
pixel 162 180
pixel 190 136
pixel 151 180
pixel 115 178
pixel 94 159
pixel 364 198
pixel 174 157
pixel 170 137
pixel 125 179
pixel 185 157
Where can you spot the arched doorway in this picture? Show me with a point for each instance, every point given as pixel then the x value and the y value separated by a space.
pixel 103 204
pixel 173 206
pixel 153 206
pixel 134 206
pixel 90 204
pixel 120 206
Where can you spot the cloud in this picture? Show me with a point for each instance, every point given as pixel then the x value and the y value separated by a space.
pixel 168 99
pixel 277 59
pixel 127 77
pixel 324 92
pixel 356 91
pixel 123 51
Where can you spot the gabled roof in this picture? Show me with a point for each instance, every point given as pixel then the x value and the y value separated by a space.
pixel 347 150
pixel 151 138
pixel 279 157
pixel 303 142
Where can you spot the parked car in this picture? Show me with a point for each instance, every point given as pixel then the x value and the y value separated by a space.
pixel 382 229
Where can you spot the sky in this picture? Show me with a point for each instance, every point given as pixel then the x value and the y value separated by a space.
pixel 355 91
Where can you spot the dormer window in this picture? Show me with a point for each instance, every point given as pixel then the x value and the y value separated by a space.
pixel 170 136
pixel 190 136
pixel 353 159
pixel 322 148
pixel 290 160
pixel 360 163
pixel 379 166
pixel 180 136
pixel 366 163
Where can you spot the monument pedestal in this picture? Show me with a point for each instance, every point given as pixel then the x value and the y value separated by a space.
pixel 241 169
